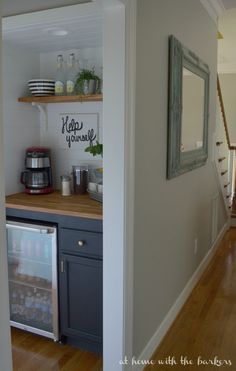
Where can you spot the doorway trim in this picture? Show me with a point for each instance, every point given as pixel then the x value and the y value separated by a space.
pixel 119 144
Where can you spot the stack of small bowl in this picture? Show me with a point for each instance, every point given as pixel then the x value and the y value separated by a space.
pixel 41 87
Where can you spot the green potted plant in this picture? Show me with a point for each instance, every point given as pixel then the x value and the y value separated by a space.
pixel 96 149
pixel 87 82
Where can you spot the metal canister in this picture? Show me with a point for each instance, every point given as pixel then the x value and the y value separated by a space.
pixel 80 179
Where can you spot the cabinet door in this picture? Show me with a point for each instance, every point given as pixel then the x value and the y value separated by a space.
pixel 81 297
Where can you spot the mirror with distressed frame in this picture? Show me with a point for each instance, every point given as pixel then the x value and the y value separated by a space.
pixel 187 111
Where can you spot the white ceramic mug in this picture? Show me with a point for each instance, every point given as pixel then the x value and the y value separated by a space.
pixel 100 188
pixel 92 187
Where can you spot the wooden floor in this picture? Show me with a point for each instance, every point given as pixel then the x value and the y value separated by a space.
pixel 35 353
pixel 205 330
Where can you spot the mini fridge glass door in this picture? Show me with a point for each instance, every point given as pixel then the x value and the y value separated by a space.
pixel 32 270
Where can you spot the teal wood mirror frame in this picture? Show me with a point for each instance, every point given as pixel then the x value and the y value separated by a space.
pixel 178 161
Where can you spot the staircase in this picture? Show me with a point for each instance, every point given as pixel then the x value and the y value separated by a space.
pixel 224 158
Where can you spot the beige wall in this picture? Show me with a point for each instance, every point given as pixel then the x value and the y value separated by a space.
pixel 169 214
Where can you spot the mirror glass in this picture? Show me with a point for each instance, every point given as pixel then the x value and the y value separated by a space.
pixel 188 110
pixel 192 111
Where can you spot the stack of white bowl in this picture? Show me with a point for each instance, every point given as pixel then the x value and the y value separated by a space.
pixel 41 87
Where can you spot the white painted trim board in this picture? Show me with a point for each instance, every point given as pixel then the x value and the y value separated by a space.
pixel 114 183
pixel 177 306
pixel 129 147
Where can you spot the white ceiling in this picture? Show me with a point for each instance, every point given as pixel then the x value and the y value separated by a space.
pixel 13 7
pixel 84 25
pixel 33 31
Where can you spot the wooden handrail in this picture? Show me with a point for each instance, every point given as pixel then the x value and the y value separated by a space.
pixel 223 113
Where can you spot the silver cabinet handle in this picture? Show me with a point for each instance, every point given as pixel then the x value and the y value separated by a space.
pixel 30 227
pixel 81 243
pixel 62 266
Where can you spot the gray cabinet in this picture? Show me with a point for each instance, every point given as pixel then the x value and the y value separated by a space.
pixel 81 287
pixel 81 298
pixel 80 242
pixel 80 276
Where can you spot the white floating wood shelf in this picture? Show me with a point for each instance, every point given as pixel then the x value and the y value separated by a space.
pixel 62 99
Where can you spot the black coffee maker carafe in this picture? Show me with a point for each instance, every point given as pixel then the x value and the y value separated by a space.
pixel 37 178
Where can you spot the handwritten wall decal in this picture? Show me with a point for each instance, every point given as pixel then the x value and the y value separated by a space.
pixel 78 130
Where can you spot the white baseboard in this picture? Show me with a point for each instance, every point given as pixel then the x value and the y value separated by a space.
pixel 175 309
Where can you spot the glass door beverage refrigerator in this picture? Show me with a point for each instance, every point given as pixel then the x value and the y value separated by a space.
pixel 32 271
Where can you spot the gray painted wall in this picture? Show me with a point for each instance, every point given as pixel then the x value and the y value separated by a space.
pixel 169 215
pixel 228 84
pixel 5 349
pixel 21 121
pixel 10 8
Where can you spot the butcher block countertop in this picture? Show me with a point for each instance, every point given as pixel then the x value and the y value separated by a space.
pixel 54 203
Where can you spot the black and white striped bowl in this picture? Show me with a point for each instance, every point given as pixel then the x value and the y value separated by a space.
pixel 41 87
pixel 41 81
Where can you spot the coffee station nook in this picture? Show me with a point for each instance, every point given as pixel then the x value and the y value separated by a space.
pixel 54 185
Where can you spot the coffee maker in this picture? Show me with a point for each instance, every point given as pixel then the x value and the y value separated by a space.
pixel 37 178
